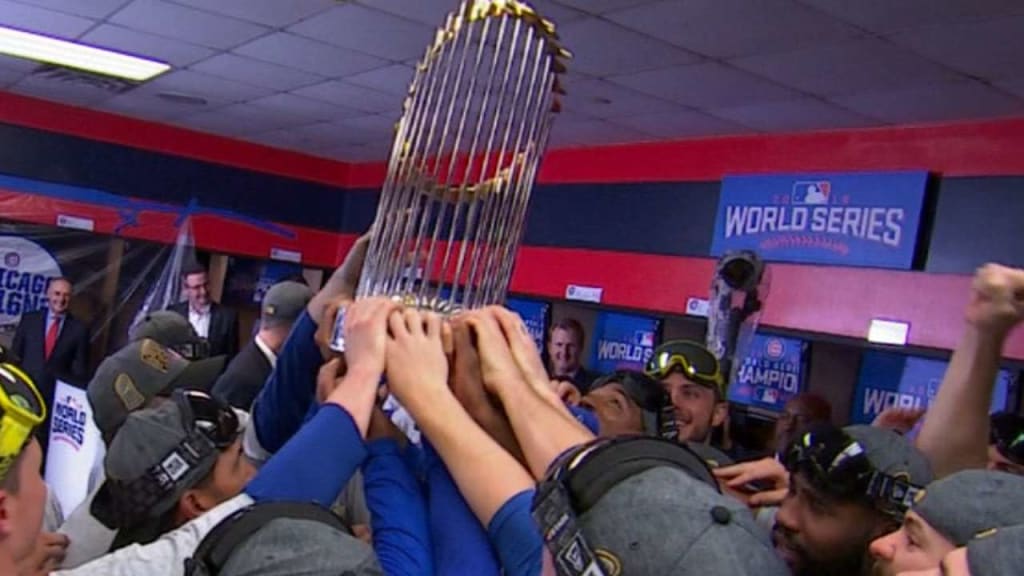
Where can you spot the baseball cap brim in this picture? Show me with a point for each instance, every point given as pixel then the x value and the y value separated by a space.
pixel 199 375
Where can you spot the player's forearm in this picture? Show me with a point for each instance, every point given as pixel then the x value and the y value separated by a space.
pixel 954 435
pixel 544 431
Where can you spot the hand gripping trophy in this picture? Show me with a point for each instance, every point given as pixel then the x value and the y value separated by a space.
pixel 474 128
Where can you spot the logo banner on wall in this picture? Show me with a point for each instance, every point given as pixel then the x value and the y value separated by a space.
pixel 25 271
pixel 534 314
pixel 75 454
pixel 622 342
pixel 770 374
pixel 868 219
pixel 888 379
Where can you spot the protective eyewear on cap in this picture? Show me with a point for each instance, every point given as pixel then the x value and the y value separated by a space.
pixel 695 362
pixel 838 465
pixel 212 418
pixel 193 350
pixel 23 409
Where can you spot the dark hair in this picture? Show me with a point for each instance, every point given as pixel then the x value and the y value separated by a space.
pixel 192 268
pixel 60 279
pixel 572 325
pixel 645 391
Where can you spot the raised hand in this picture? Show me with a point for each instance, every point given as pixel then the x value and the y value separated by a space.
pixel 498 366
pixel 325 330
pixel 901 420
pixel 997 298
pixel 739 477
pixel 468 386
pixel 417 367
pixel 366 335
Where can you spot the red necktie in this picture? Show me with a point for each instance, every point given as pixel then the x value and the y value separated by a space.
pixel 51 336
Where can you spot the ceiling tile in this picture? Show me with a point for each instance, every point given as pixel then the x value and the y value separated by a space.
pixel 990 49
pixel 97 9
pixel 939 102
pixel 601 6
pixel 858 66
pixel 249 71
pixel 356 153
pixel 274 13
pixel 601 48
pixel 20 65
pixel 35 19
pixel 58 91
pixel 369 31
pixel 378 128
pixel 730 28
pixel 9 76
pixel 215 90
pixel 1012 85
pixel 705 85
pixel 312 137
pixel 174 52
pixel 148 106
pixel 345 94
pixel 594 133
pixel 392 79
pixel 602 99
pixel 309 55
pixel 794 116
pixel 884 16
pixel 681 123
pixel 183 23
pixel 241 119
pixel 303 109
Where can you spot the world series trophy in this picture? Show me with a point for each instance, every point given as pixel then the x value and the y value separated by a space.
pixel 474 127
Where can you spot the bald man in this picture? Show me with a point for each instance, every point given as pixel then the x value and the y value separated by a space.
pixel 800 412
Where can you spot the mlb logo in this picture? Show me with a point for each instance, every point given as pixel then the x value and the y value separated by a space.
pixel 644 338
pixel 775 348
pixel 12 259
pixel 770 396
pixel 813 192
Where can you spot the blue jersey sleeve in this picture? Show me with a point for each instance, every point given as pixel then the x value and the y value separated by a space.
pixel 516 538
pixel 460 543
pixel 398 512
pixel 316 464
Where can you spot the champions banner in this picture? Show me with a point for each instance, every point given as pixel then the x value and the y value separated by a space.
pixel 534 314
pixel 888 379
pixel 771 373
pixel 75 455
pixel 622 342
pixel 868 219
pixel 26 269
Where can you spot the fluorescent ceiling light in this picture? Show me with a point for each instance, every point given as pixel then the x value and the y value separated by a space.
pixel 73 55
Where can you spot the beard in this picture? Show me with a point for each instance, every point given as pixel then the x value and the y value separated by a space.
pixel 851 559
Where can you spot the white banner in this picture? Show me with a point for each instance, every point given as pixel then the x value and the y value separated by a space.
pixel 76 447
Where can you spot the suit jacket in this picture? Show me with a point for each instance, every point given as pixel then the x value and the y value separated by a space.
pixel 69 360
pixel 223 336
pixel 243 379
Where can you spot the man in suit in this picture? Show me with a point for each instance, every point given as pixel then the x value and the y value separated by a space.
pixel 244 376
pixel 217 324
pixel 53 345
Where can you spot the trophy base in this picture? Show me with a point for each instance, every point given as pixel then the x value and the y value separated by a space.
pixel 432 304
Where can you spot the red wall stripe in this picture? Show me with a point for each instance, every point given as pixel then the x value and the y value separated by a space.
pixel 114 129
pixel 823 299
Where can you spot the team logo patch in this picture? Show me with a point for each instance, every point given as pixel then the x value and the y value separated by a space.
pixel 155 356
pixel 12 259
pixel 126 391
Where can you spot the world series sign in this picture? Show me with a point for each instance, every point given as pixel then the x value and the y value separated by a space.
pixel 622 342
pixel 868 219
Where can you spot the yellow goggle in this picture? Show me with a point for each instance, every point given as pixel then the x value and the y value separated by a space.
pixel 23 409
pixel 693 360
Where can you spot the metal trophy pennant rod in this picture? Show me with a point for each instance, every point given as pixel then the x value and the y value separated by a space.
pixel 475 125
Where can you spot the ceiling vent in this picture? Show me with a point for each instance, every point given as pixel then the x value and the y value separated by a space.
pixel 70 76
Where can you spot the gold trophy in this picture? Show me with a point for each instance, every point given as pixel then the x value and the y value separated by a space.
pixel 475 124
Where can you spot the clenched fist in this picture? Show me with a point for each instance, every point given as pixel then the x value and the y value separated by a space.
pixel 997 299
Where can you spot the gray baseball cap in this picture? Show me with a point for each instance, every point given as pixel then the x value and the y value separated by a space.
pixel 997 553
pixel 171 330
pixel 892 454
pixel 666 521
pixel 154 458
pixel 283 303
pixel 130 378
pixel 287 546
pixel 968 503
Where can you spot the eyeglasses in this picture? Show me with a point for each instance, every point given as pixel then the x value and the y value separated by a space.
pixel 23 410
pixel 838 465
pixel 212 418
pixel 695 361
